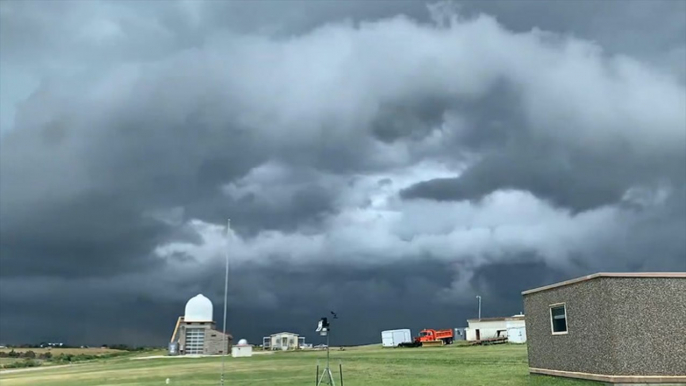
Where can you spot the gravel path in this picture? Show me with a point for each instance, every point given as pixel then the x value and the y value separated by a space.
pixel 9 371
pixel 195 356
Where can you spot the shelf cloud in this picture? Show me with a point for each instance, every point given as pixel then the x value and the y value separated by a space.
pixel 387 160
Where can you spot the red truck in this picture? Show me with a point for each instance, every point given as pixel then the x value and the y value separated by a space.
pixel 431 336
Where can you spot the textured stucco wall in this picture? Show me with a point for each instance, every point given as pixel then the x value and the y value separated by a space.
pixel 616 326
pixel 587 346
pixel 649 324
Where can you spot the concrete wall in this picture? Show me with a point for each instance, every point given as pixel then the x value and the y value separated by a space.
pixel 649 325
pixel 615 326
pixel 588 345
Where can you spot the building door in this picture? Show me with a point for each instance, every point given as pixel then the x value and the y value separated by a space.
pixel 478 334
pixel 284 343
pixel 195 341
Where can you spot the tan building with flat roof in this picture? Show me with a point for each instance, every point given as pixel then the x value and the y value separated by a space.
pixel 619 328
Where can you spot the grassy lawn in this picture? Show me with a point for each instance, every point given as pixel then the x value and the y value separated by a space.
pixel 365 366
pixel 5 361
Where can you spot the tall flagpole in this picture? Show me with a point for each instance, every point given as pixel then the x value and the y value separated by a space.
pixel 226 291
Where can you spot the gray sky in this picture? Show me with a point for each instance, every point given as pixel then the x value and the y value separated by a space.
pixel 386 160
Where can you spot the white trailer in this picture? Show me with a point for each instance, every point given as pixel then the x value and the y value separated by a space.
pixel 392 338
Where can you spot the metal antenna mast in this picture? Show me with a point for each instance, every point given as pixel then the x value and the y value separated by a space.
pixel 226 291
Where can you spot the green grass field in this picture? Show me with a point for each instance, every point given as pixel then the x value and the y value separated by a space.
pixel 363 366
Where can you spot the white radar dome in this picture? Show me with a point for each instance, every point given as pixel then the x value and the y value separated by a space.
pixel 242 342
pixel 198 309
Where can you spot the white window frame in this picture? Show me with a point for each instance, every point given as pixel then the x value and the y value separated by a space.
pixel 550 312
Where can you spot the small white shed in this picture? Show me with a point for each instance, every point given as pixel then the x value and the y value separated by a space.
pixel 242 349
pixel 392 338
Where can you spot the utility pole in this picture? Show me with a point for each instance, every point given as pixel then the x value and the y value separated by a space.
pixel 226 291
pixel 479 297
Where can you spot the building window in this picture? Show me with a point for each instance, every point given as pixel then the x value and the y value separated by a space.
pixel 558 319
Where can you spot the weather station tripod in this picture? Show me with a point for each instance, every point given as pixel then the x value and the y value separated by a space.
pixel 326 376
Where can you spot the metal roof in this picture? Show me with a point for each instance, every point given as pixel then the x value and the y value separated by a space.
pixel 498 319
pixel 609 274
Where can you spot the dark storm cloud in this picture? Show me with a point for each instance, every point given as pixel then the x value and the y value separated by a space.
pixel 92 235
pixel 503 283
pixel 514 157
pixel 391 296
pixel 89 216
pixel 250 214
pixel 150 116
pixel 575 180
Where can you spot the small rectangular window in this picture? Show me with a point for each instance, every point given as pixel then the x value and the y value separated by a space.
pixel 558 318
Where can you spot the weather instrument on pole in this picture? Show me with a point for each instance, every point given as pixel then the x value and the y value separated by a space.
pixel 323 328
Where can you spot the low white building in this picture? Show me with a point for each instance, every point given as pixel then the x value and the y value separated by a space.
pixel 490 328
pixel 283 341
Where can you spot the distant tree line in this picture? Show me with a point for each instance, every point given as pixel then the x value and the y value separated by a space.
pixel 124 347
pixel 119 346
pixel 25 354
pixel 41 345
pixel 31 359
